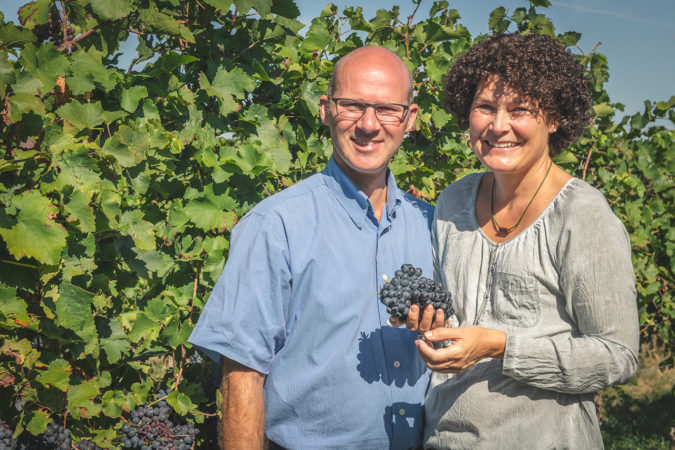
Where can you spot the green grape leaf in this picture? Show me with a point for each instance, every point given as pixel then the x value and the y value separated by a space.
pixel 142 327
pixel 180 402
pixel 131 97
pixel 603 110
pixel 57 375
pixel 221 5
pixel 34 13
pixel 116 344
pixel 317 38
pixel 38 422
pixel 112 9
pixel 210 210
pixel 80 399
pixel 114 402
pixel 13 308
pixel 286 8
pixel 141 231
pixel 78 209
pixel 73 311
pixel 22 351
pixel 243 6
pixel 36 234
pixel 263 7
pixel 12 36
pixel 82 115
pixel 24 102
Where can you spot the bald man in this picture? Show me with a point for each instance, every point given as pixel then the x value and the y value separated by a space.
pixel 309 359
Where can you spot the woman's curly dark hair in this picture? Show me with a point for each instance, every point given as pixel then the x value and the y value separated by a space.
pixel 536 66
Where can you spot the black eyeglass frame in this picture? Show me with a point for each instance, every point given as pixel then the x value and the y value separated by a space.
pixel 374 106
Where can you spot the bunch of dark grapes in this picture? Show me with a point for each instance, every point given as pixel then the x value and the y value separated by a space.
pixel 150 428
pixel 6 440
pixel 409 287
pixel 57 436
pixel 86 444
pixel 51 29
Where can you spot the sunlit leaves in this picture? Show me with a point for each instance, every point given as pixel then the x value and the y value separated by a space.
pixel 209 210
pixel 36 234
pixel 81 399
pixel 82 115
pixel 227 87
pixel 131 97
pixel 56 375
pixel 112 9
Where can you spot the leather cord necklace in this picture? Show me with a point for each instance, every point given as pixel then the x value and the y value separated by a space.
pixel 504 230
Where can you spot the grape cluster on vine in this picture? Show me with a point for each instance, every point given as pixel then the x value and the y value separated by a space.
pixel 150 428
pixel 409 287
pixel 6 440
pixel 54 30
pixel 57 437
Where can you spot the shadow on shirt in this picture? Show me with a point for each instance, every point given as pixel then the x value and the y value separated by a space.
pixel 403 416
pixel 373 367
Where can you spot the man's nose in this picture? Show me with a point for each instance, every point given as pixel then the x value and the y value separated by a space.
pixel 368 121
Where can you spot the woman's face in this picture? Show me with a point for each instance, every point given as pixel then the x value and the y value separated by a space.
pixel 505 133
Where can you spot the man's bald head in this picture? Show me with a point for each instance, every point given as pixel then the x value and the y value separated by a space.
pixel 378 56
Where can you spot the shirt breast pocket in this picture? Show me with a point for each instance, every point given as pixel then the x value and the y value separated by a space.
pixel 516 300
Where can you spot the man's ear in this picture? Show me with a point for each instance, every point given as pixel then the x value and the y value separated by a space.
pixel 323 109
pixel 411 117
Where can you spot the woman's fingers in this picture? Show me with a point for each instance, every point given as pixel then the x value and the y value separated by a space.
pixel 427 318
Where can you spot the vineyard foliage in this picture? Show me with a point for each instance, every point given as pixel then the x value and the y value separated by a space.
pixel 119 186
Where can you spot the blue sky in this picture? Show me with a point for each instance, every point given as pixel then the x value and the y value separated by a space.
pixel 638 37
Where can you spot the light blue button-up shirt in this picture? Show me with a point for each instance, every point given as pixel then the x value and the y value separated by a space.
pixel 298 301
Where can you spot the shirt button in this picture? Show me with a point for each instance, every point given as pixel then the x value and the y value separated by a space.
pixel 401 412
pixel 397 364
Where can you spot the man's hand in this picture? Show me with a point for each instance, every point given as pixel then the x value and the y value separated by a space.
pixel 469 345
pixel 243 409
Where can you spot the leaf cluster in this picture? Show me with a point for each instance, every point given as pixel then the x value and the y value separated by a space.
pixel 119 186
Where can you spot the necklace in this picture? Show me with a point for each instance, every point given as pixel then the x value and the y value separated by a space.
pixel 504 230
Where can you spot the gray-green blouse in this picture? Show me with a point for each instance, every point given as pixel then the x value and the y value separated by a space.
pixel 563 291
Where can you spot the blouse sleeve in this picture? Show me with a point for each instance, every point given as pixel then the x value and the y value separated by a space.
pixel 597 280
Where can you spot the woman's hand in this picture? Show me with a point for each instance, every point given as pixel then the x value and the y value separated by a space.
pixel 428 320
pixel 469 345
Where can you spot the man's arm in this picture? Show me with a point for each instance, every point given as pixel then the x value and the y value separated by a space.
pixel 243 408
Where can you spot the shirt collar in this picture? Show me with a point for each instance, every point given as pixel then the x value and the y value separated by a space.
pixel 352 199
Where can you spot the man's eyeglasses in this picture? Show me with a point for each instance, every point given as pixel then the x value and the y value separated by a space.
pixel 354 109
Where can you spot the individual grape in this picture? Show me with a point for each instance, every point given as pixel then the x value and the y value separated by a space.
pixel 409 287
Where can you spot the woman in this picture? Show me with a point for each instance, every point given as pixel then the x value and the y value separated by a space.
pixel 538 266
